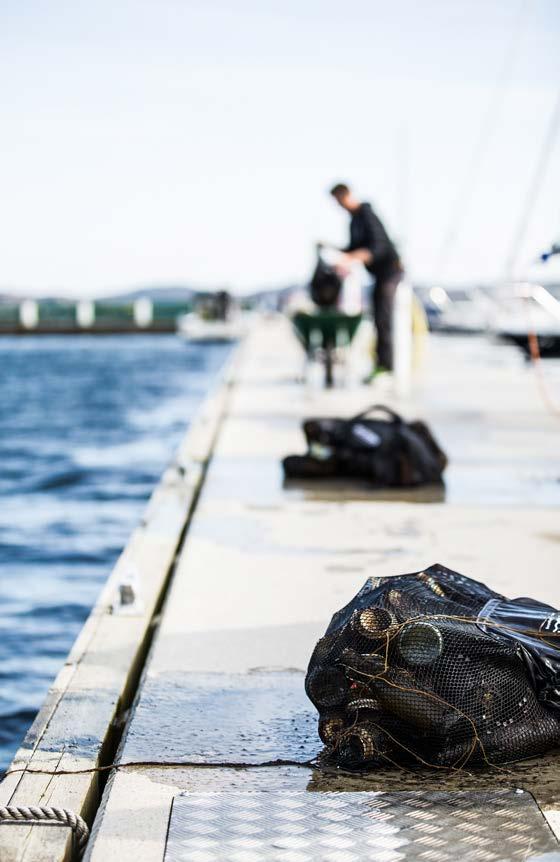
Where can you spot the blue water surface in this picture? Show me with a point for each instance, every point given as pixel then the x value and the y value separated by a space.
pixel 87 425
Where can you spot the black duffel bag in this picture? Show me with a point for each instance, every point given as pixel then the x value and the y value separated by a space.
pixel 383 449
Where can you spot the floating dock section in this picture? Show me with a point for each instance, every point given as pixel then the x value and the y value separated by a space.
pixel 188 675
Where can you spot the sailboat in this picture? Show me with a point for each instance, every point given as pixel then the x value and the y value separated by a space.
pixel 528 308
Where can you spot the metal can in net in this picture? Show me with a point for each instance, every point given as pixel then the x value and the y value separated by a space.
pixel 331 726
pixel 373 623
pixel 360 744
pixel 420 643
pixel 402 697
pixel 361 664
pixel 328 686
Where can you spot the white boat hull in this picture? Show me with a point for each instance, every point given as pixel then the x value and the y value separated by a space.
pixel 196 330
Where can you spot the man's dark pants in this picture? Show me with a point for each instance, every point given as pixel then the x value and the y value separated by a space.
pixel 383 302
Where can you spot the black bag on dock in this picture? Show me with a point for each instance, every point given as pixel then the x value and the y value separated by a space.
pixel 385 450
pixel 436 669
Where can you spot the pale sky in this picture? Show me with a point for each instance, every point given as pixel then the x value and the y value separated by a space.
pixel 193 141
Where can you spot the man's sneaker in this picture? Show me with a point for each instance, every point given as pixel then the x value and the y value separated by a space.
pixel 379 372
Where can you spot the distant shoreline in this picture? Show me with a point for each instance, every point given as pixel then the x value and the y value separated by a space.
pixel 158 328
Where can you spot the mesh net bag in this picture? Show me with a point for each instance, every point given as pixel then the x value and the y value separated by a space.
pixel 437 669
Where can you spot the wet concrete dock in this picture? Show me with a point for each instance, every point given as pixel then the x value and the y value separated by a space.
pixel 264 565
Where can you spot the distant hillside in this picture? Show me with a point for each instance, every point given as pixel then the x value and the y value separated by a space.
pixel 187 294
pixel 156 294
pixel 272 293
pixel 172 294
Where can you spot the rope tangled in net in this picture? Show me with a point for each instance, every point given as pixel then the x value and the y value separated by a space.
pixel 35 815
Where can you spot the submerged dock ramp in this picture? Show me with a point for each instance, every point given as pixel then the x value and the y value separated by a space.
pixel 216 759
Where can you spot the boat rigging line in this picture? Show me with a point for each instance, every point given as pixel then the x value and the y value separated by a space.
pixel 533 191
pixel 486 131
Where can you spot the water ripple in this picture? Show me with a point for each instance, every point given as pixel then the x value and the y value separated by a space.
pixel 86 427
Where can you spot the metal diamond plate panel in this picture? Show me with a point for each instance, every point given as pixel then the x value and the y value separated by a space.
pixel 498 826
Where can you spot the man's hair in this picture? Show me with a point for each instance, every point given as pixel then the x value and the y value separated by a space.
pixel 340 189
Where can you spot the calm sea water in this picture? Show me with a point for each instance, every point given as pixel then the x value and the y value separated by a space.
pixel 86 426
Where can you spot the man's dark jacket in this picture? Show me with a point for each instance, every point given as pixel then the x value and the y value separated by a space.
pixel 367 231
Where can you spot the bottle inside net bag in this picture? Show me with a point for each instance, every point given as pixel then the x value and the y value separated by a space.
pixel 436 668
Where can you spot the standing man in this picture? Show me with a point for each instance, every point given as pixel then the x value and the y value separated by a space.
pixel 369 244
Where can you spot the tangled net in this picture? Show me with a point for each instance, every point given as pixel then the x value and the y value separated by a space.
pixel 437 669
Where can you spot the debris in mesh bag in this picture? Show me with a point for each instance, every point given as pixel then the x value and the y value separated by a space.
pixel 436 669
pixel 383 449
pixel 326 285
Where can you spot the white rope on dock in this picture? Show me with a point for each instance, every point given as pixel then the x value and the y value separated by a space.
pixel 43 816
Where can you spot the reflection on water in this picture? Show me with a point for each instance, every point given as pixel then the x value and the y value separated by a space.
pixel 86 426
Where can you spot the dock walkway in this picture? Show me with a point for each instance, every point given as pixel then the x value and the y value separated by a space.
pixel 259 574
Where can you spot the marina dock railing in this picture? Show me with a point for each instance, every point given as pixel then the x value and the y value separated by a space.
pixel 56 317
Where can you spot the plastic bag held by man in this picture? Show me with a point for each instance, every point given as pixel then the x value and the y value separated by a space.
pixel 434 668
pixel 325 285
pixel 377 446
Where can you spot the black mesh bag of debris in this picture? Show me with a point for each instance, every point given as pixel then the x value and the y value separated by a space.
pixel 376 445
pixel 325 285
pixel 434 668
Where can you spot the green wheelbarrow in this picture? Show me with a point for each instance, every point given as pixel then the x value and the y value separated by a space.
pixel 322 332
